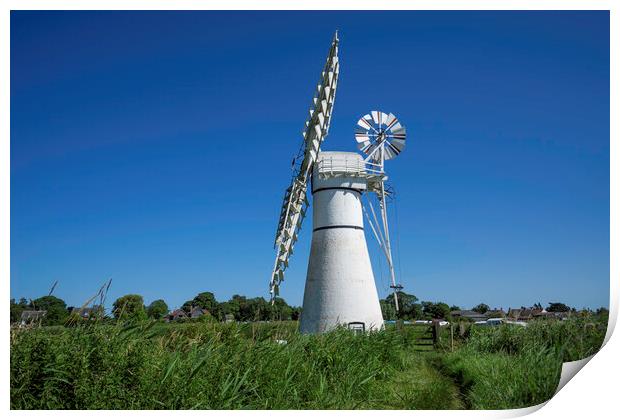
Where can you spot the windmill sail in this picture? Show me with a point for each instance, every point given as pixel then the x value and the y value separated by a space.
pixel 295 201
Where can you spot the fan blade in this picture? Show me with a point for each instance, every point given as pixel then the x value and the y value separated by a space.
pixel 399 133
pixel 398 143
pixel 390 121
pixel 364 124
pixel 361 137
pixel 364 146
pixel 391 150
pixel 369 150
pixel 396 128
pixel 383 118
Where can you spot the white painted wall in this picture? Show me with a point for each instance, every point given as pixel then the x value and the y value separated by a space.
pixel 340 286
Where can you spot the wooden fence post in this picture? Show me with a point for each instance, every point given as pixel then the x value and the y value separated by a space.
pixel 451 336
pixel 399 324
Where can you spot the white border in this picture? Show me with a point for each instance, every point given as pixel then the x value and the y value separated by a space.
pixel 591 393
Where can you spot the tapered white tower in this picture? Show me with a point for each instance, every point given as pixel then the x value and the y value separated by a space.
pixel 340 286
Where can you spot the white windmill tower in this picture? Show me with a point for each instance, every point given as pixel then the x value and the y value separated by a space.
pixel 340 287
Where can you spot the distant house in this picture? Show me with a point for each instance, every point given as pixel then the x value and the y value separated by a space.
pixel 197 312
pixel 525 314
pixel 513 313
pixel 88 312
pixel 550 315
pixel 541 313
pixel 468 315
pixel 176 315
pixel 522 314
pixel 495 313
pixel 32 317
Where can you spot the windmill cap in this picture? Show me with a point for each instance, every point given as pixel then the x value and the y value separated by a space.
pixel 339 169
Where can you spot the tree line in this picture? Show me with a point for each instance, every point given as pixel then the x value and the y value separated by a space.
pixel 410 308
pixel 241 308
pixel 132 307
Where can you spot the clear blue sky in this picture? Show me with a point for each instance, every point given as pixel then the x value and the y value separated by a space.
pixel 154 148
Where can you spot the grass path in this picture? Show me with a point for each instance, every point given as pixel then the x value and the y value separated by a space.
pixel 419 386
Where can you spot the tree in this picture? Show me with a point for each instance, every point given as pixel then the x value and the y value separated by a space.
pixel 296 313
pixel 602 311
pixel 129 307
pixel 157 309
pixel 481 308
pixel 56 309
pixel 455 308
pixel 225 308
pixel 388 310
pixel 557 307
pixel 281 311
pixel 438 310
pixel 408 308
pixel 232 307
pixel 204 300
pixel 255 309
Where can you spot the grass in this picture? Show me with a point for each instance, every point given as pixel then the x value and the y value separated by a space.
pixel 502 381
pixel 419 385
pixel 222 366
pixel 247 366
pixel 511 366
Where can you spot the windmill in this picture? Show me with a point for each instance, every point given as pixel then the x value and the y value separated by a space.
pixel 340 286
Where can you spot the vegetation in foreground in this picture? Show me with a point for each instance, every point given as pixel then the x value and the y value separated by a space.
pixel 513 366
pixel 206 365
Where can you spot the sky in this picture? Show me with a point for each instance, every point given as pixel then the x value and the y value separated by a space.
pixel 154 148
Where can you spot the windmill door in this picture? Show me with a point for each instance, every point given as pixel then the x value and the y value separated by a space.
pixel 357 327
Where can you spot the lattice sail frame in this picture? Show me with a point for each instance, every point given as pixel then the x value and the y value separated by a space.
pixel 295 203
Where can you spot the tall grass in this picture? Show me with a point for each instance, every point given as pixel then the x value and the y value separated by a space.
pixel 223 366
pixel 512 366
pixel 271 366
